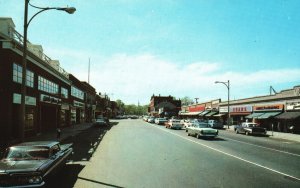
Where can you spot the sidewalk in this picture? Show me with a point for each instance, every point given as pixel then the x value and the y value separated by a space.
pixel 65 133
pixel 275 135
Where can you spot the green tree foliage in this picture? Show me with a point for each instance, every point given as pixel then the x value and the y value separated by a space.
pixel 132 109
pixel 186 101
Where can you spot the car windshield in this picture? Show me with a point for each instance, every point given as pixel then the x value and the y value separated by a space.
pixel 26 153
pixel 252 125
pixel 202 125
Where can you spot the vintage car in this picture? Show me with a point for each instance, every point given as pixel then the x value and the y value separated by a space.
pixel 160 121
pixel 250 128
pixel 215 124
pixel 100 122
pixel 202 129
pixel 151 119
pixel 173 124
pixel 28 164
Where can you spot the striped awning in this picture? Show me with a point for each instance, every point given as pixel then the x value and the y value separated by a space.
pixel 254 115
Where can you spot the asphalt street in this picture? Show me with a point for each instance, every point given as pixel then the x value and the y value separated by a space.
pixel 134 153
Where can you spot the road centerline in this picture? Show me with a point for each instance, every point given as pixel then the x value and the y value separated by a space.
pixel 231 155
pixel 261 146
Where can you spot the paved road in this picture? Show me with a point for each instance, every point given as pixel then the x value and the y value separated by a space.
pixel 138 154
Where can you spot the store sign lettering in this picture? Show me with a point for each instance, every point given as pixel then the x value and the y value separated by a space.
pixel 268 107
pixel 242 109
pixel 196 108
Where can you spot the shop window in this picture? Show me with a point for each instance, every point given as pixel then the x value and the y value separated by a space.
pixel 47 85
pixel 64 93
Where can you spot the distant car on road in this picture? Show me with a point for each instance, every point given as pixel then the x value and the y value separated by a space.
pixel 160 121
pixel 173 124
pixel 202 129
pixel 29 163
pixel 250 128
pixel 100 122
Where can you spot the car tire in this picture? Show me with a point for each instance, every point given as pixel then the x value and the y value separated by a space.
pixel 247 133
pixel 188 133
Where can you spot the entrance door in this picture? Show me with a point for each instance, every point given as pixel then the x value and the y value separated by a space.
pixel 48 118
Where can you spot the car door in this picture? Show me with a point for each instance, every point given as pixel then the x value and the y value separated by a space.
pixel 193 131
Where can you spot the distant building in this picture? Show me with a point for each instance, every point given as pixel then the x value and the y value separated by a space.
pixel 164 106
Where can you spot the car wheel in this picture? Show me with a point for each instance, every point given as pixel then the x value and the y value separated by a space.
pixel 247 133
pixel 236 131
pixel 198 136
pixel 186 130
pixel 188 133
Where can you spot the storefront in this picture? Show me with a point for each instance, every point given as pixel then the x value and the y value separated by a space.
pixel 239 112
pixel 78 112
pixel 264 114
pixel 289 121
pixel 31 127
pixel 49 113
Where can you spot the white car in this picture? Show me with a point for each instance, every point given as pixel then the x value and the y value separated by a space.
pixel 160 121
pixel 202 130
pixel 174 124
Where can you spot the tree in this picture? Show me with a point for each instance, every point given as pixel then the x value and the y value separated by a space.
pixel 186 101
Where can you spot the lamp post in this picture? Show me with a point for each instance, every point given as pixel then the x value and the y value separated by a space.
pixel 227 84
pixel 69 10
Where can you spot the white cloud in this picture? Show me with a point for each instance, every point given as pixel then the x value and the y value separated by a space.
pixel 134 78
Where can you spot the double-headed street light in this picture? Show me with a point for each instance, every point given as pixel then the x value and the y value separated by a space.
pixel 69 10
pixel 227 84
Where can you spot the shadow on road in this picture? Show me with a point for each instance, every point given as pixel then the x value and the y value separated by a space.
pixel 84 144
pixel 214 139
pixel 87 142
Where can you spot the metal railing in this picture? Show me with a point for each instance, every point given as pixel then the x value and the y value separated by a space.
pixel 17 37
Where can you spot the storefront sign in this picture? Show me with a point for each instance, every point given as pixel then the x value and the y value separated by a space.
pixel 65 107
pixel 293 106
pixel 28 100
pixel 271 107
pixel 50 99
pixel 223 109
pixel 78 104
pixel 196 108
pixel 240 109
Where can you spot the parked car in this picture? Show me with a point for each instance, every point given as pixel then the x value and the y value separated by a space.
pixel 187 123
pixel 145 118
pixel 215 124
pixel 101 122
pixel 160 121
pixel 29 163
pixel 151 119
pixel 250 128
pixel 173 124
pixel 202 129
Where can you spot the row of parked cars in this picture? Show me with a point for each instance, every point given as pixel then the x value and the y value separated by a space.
pixel 208 128
pixel 193 127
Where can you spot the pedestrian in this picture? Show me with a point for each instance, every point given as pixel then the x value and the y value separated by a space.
pixel 58 133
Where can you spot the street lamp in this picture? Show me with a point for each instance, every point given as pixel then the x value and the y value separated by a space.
pixel 69 10
pixel 227 84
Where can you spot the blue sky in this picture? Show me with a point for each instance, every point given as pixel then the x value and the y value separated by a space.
pixel 142 47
